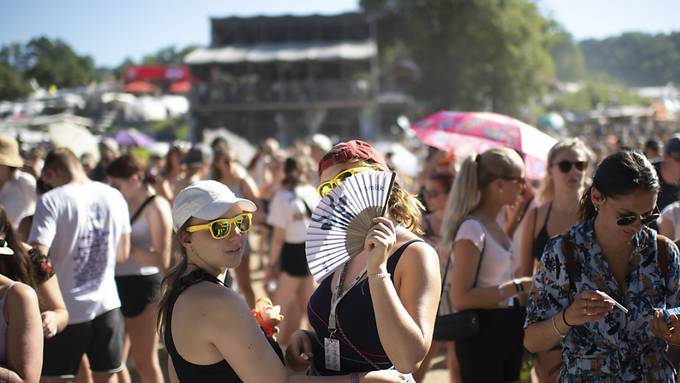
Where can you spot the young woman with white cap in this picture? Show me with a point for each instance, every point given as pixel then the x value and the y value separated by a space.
pixel 209 330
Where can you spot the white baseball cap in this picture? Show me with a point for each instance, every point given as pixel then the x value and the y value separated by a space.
pixel 206 200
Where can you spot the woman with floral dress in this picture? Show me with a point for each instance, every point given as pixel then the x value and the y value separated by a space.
pixel 610 257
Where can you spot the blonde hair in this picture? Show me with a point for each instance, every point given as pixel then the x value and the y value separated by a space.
pixel 546 191
pixel 476 173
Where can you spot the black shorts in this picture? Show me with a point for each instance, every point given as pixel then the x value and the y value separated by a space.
pixel 137 291
pixel 101 339
pixel 495 355
pixel 294 260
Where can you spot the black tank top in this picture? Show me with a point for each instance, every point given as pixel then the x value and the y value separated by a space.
pixel 219 372
pixel 357 318
pixel 542 238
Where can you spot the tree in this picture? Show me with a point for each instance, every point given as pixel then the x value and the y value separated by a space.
pixel 566 54
pixel 12 84
pixel 476 54
pixel 54 62
pixel 637 59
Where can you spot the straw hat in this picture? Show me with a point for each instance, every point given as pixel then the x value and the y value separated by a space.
pixel 9 152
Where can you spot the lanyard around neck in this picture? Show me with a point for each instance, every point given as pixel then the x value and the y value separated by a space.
pixel 337 295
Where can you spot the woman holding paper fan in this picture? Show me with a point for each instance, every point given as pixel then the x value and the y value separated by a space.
pixel 289 214
pixel 483 265
pixel 209 331
pixel 599 287
pixel 377 310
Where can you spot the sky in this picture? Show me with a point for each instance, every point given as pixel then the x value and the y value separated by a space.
pixel 110 31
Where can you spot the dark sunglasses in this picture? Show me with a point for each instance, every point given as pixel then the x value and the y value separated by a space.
pixel 565 166
pixel 625 220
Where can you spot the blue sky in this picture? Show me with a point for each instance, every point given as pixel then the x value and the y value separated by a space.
pixel 113 30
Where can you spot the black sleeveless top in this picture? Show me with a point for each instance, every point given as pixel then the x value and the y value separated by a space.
pixel 356 317
pixel 219 372
pixel 542 238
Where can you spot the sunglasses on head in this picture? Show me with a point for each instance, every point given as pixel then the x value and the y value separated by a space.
pixel 565 166
pixel 221 228
pixel 326 187
pixel 629 219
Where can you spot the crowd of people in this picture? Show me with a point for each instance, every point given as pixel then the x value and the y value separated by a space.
pixel 101 264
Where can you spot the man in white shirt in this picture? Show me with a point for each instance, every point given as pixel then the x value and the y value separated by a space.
pixel 84 226
pixel 17 189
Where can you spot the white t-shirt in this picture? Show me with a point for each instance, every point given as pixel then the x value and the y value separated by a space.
pixel 287 211
pixel 18 197
pixel 672 213
pixel 82 225
pixel 497 264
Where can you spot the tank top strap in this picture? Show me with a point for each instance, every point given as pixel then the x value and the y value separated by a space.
pixel 394 258
pixel 547 216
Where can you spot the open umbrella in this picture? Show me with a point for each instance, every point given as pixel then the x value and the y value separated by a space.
pixel 133 137
pixel 139 87
pixel 74 137
pixel 466 133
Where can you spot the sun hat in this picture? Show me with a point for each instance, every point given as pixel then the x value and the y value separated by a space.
pixel 9 152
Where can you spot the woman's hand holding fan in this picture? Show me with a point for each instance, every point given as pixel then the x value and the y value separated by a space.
pixel 379 242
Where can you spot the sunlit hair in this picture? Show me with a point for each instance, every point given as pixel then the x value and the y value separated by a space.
pixel 295 172
pixel 63 161
pixel 126 166
pixel 403 207
pixel 169 281
pixel 476 173
pixel 221 154
pixel 621 173
pixel 546 192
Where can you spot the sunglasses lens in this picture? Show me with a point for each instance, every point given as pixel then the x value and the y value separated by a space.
pixel 243 223
pixel 220 229
pixel 580 165
pixel 626 220
pixel 565 166
pixel 342 177
pixel 325 188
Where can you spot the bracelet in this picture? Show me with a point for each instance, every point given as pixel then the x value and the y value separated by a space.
pixel 555 328
pixel 354 377
pixel 379 275
pixel 564 318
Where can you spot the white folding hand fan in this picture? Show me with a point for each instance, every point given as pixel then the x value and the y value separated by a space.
pixel 342 219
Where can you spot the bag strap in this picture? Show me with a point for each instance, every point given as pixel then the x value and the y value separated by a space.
pixel 140 209
pixel 570 260
pixel 662 250
pixel 479 264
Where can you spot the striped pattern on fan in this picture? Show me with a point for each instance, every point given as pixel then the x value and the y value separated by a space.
pixel 342 219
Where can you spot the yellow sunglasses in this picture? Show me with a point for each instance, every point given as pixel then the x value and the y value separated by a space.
pixel 221 228
pixel 326 187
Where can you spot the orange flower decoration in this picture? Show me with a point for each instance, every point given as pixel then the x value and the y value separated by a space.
pixel 267 316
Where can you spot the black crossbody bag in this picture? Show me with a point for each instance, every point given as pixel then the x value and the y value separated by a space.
pixel 462 324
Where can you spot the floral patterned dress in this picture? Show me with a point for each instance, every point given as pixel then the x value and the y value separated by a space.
pixel 620 347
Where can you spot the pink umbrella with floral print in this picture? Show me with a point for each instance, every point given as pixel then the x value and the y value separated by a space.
pixel 465 133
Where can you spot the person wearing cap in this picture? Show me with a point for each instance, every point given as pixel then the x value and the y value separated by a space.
pixel 387 305
pixel 82 228
pixel 668 170
pixel 209 330
pixel 17 188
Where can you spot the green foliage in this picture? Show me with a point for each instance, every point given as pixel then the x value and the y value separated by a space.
pixel 637 59
pixel 597 92
pixel 49 62
pixel 566 54
pixel 477 54
pixel 55 62
pixel 12 83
